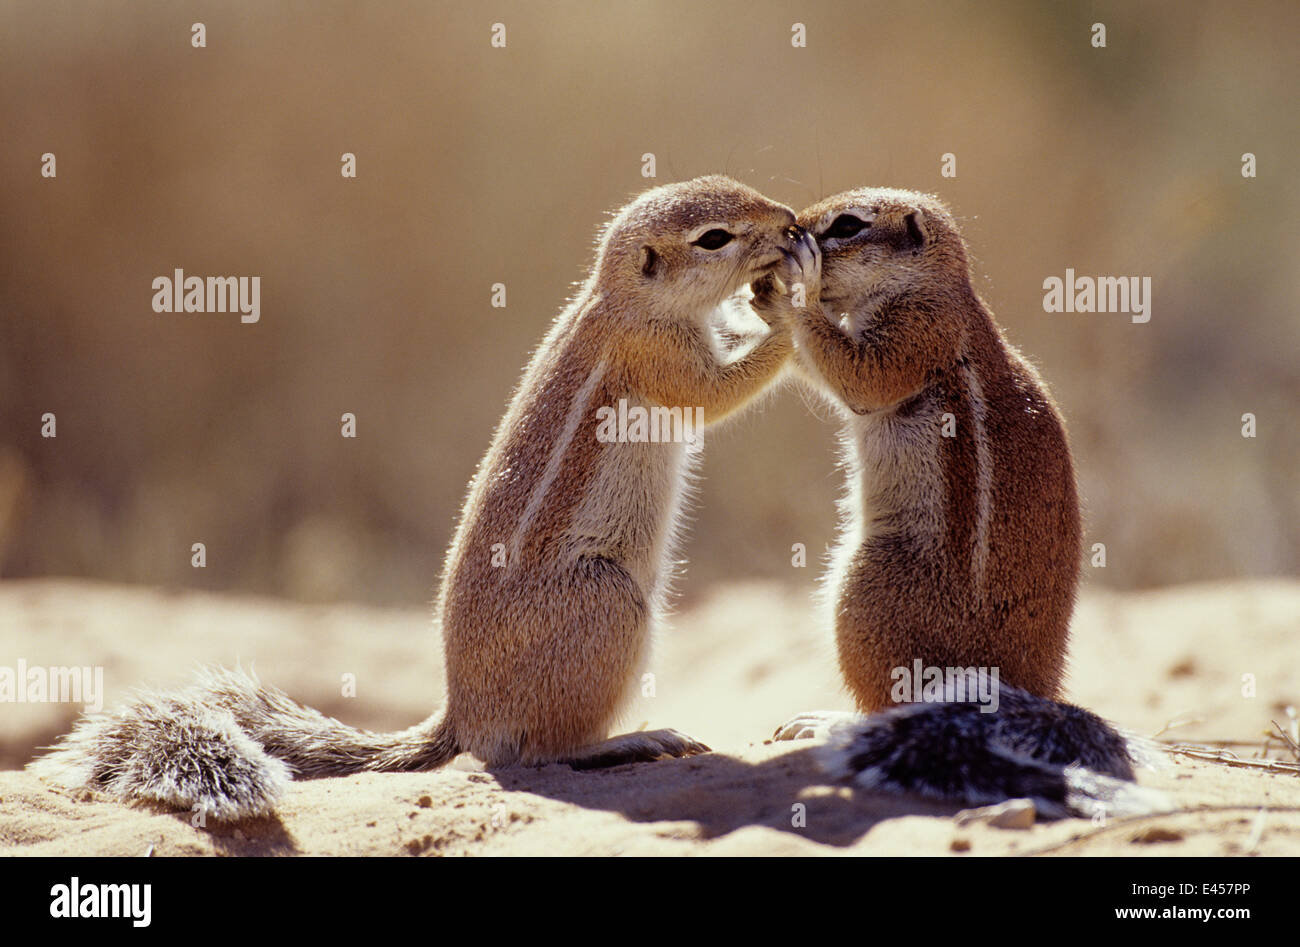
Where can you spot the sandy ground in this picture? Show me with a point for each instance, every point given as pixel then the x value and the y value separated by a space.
pixel 732 667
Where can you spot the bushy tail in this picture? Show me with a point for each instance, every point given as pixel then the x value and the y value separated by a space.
pixel 1066 759
pixel 227 746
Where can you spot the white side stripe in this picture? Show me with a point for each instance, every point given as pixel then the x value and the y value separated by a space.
pixel 571 422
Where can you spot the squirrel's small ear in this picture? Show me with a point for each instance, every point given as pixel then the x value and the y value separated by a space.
pixel 915 223
pixel 649 261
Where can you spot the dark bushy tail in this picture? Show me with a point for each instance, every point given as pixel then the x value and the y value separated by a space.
pixel 1066 759
pixel 227 746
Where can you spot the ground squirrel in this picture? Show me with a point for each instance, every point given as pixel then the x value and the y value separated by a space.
pixel 960 538
pixel 559 566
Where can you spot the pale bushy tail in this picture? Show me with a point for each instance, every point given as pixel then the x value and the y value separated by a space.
pixel 227 746
pixel 1066 759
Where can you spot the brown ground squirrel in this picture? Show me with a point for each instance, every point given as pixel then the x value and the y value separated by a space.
pixel 560 564
pixel 960 538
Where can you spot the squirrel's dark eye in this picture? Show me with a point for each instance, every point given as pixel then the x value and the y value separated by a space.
pixel 713 240
pixel 844 226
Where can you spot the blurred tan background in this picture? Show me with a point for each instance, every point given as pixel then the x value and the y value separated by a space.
pixel 479 165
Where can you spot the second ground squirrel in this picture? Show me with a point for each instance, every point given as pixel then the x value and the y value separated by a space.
pixel 960 531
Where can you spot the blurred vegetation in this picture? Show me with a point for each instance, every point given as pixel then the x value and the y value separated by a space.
pixel 479 165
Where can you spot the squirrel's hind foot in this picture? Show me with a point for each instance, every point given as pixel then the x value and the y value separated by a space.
pixel 813 724
pixel 641 747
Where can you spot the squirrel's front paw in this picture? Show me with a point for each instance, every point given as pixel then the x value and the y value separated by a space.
pixel 792 285
pixel 801 269
pixel 770 302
